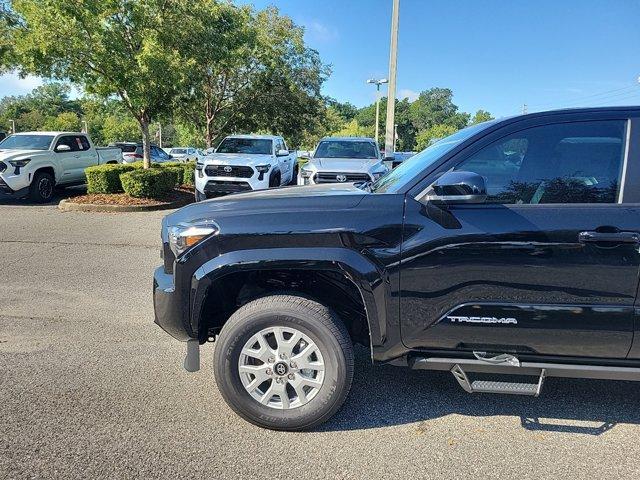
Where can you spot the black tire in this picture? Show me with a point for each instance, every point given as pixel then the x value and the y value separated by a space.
pixel 294 177
pixel 274 180
pixel 200 197
pixel 320 325
pixel 42 187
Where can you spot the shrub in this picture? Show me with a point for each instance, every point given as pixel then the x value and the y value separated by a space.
pixel 150 183
pixel 106 178
pixel 177 170
pixel 188 174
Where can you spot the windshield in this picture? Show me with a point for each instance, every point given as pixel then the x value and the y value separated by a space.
pixel 178 151
pixel 26 142
pixel 251 146
pixel 345 149
pixel 410 168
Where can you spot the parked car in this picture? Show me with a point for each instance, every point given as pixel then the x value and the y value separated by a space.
pixel 399 157
pixel 132 152
pixel 343 159
pixel 3 135
pixel 33 163
pixel 185 154
pixel 509 247
pixel 243 163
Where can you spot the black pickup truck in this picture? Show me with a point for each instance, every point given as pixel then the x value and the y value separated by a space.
pixel 508 248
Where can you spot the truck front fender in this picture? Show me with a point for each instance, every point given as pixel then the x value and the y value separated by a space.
pixel 368 278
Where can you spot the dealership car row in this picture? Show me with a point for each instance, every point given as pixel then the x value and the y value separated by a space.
pixel 33 163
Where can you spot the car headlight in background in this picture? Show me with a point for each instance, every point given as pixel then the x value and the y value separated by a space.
pixel 262 169
pixel 306 176
pixel 18 164
pixel 200 168
pixel 184 236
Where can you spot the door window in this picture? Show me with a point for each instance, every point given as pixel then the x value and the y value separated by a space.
pixel 71 142
pixel 83 142
pixel 577 162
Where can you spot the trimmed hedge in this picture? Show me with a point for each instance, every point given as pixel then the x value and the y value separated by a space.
pixel 150 183
pixel 189 174
pixel 106 178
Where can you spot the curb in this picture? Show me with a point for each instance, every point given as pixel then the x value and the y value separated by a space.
pixel 70 206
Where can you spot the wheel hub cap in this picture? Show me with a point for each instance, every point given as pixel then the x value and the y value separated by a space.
pixel 281 368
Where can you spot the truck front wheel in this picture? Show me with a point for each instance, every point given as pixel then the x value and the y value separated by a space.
pixel 284 362
pixel 42 186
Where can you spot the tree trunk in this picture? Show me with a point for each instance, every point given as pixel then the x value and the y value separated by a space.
pixel 208 138
pixel 146 142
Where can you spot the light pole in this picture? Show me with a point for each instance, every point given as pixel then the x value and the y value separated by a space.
pixel 13 126
pixel 377 83
pixel 85 126
pixel 389 138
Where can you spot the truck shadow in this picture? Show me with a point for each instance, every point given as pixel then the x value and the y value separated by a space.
pixel 59 194
pixel 384 396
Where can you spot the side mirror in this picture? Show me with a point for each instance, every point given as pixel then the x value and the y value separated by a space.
pixel 282 153
pixel 63 148
pixel 459 187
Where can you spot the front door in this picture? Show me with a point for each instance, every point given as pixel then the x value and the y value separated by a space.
pixel 547 266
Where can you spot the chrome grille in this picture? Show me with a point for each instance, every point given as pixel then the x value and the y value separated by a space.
pixel 337 177
pixel 228 171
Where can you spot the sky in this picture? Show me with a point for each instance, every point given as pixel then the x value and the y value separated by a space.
pixel 494 55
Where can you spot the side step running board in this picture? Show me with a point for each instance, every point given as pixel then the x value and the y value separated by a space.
pixel 483 386
pixel 505 364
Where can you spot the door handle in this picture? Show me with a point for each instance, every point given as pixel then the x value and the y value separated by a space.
pixel 611 237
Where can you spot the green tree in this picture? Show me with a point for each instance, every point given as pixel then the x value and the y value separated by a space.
pixel 126 48
pixel 8 23
pixel 480 116
pixel 433 134
pixel 354 129
pixel 435 106
pixel 64 122
pixel 116 128
pixel 252 71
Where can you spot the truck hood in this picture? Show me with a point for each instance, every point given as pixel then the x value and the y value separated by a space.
pixel 288 201
pixel 357 165
pixel 238 159
pixel 11 154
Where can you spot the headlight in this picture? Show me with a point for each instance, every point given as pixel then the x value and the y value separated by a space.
pixel 263 168
pixel 184 236
pixel 19 163
pixel 306 173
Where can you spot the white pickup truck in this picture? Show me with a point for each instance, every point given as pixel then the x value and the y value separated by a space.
pixel 243 163
pixel 33 163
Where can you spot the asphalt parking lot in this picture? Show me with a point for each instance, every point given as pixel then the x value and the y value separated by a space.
pixel 91 388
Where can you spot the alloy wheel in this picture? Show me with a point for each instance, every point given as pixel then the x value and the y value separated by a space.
pixel 281 368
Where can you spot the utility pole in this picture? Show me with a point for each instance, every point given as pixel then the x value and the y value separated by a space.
pixel 160 134
pixel 85 127
pixel 13 126
pixel 524 109
pixel 377 83
pixel 389 140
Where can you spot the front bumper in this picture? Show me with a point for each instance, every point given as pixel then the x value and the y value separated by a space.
pixel 217 187
pixel 167 307
pixel 13 184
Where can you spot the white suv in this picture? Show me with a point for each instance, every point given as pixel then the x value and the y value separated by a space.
pixel 343 159
pixel 243 163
